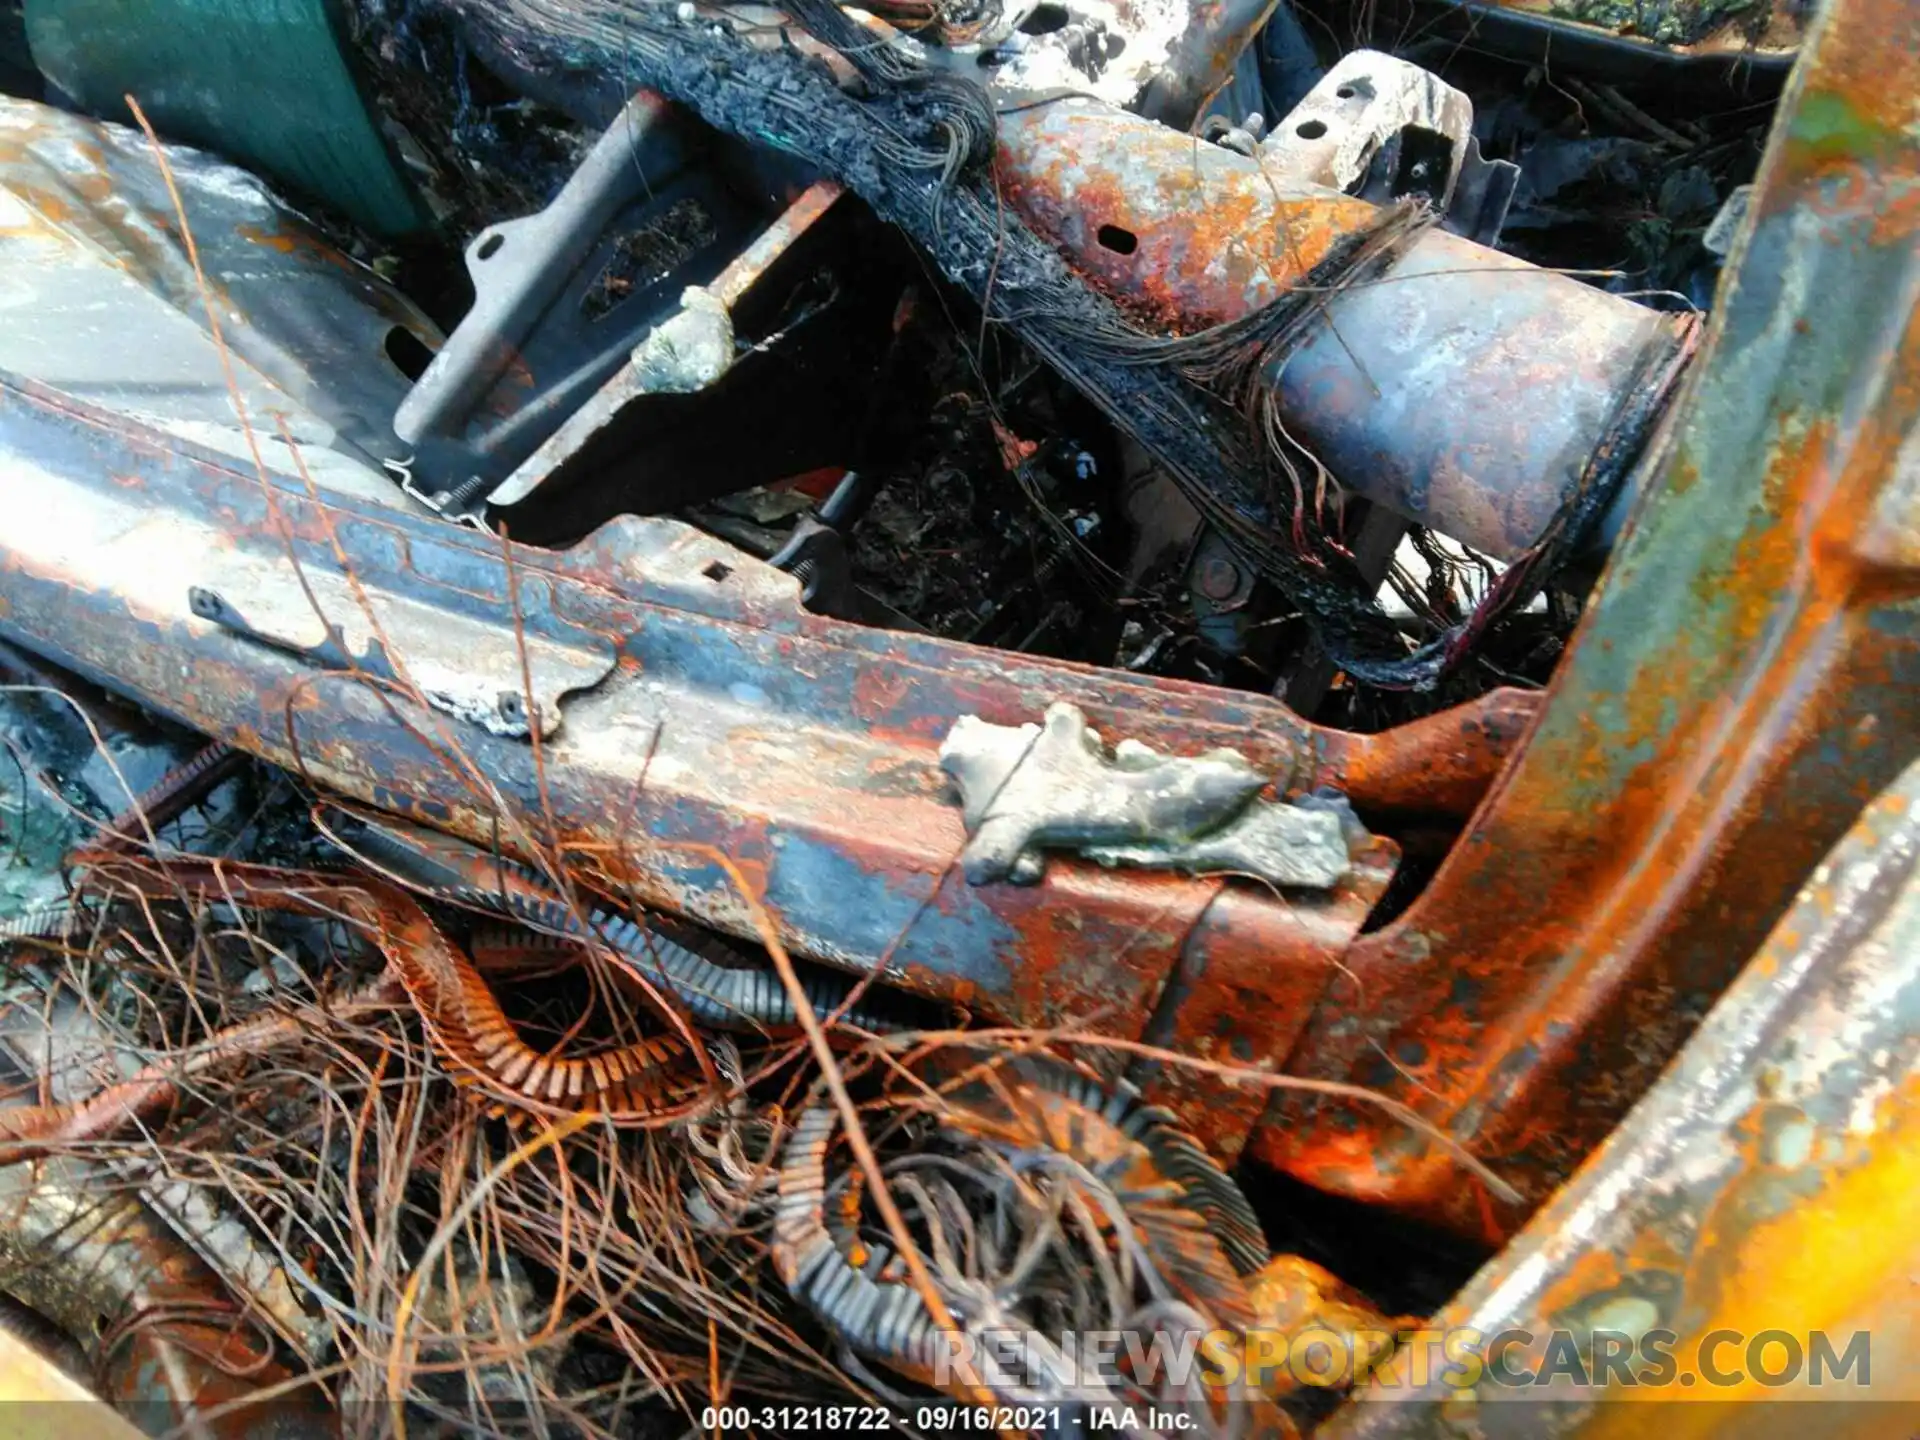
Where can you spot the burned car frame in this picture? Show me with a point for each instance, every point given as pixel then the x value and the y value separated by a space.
pixel 1028 841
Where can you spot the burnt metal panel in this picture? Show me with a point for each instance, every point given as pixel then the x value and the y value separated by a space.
pixel 805 748
pixel 1745 678
pixel 1770 1183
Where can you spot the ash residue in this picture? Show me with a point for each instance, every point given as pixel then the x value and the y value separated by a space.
pixel 479 151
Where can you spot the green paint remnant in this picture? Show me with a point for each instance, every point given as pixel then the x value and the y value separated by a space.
pixel 1827 125
pixel 1671 22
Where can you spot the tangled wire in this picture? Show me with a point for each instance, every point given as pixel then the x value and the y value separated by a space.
pixel 429 1183
pixel 914 141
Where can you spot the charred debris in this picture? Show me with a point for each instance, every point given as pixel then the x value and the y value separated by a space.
pixel 471 961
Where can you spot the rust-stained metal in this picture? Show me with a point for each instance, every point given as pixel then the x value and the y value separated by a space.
pixel 1436 766
pixel 164 1336
pixel 1746 636
pixel 1244 970
pixel 1770 1183
pixel 1463 387
pixel 1467 390
pixel 63 1408
pixel 1745 678
pixel 167 1337
pixel 69 1050
pixel 1202 60
pixel 707 709
pixel 1183 233
pixel 804 747
pixel 641 704
pixel 102 302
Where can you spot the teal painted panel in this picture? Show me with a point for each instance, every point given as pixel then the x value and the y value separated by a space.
pixel 263 82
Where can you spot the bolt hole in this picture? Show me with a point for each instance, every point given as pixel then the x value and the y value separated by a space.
pixel 490 247
pixel 408 352
pixel 1044 19
pixel 1310 129
pixel 1118 240
pixel 717 571
pixel 1346 92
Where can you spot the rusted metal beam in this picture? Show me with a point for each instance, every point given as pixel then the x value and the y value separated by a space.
pixel 1770 1183
pixel 1202 60
pixel 1463 388
pixel 1746 676
pixel 680 695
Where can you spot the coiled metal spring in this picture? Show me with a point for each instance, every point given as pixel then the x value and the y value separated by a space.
pixel 1209 1190
pixel 885 1318
pixel 1184 1210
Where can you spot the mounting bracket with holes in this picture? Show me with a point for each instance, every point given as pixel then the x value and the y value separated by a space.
pixel 1382 128
pixel 561 297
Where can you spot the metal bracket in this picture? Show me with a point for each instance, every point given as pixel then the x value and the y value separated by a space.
pixel 560 299
pixel 504 714
pixel 1383 128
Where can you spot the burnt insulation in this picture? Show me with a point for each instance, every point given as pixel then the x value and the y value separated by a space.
pixel 913 143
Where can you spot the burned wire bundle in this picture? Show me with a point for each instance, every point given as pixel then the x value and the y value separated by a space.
pixel 914 146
